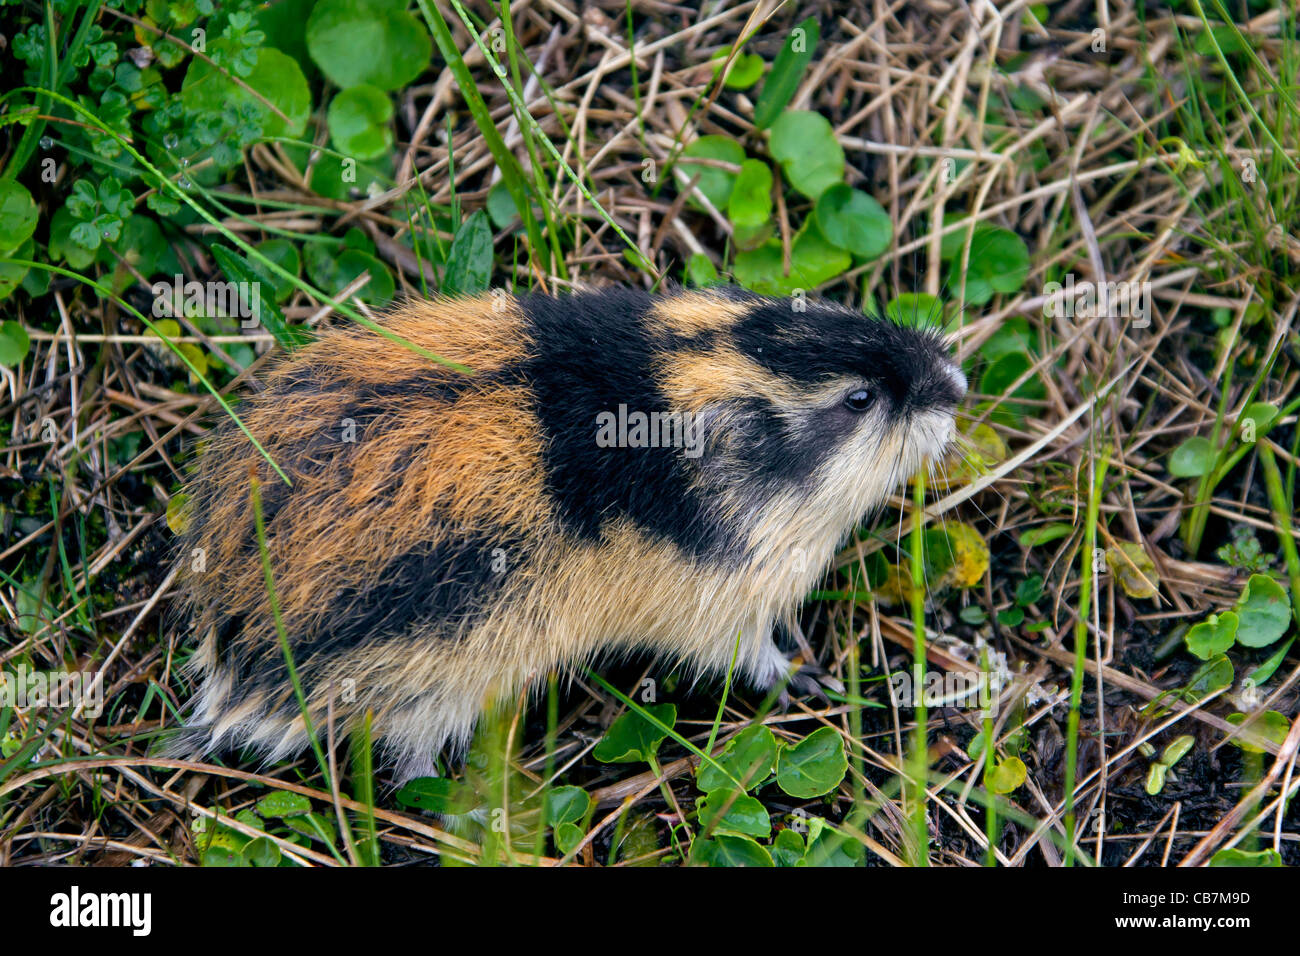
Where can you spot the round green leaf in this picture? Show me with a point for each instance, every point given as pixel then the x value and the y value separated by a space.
pixel 788 848
pixel 1212 676
pixel 1213 636
pixel 999 262
pixel 853 220
pixel 750 204
pixel 714 183
pixel 700 270
pixel 914 309
pixel 1270 725
pixel 276 76
pixel 438 794
pixel 804 143
pixel 1007 775
pixel 568 836
pixel 746 69
pixel 728 850
pixel 813 261
pixel 748 758
pixel 745 816
pixel 632 738
pixel 18 215
pixel 367 41
pixel 11 276
pixel 283 803
pixel 284 254
pixel 1236 857
pixel 14 343
pixel 334 273
pixel 358 121
pixel 566 805
pixel 260 852
pixel 1265 612
pixel 814 766
pixel 1003 373
pixel 1193 458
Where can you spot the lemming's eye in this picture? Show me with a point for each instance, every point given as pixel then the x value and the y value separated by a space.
pixel 859 400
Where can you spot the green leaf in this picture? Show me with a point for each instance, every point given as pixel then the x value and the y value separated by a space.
pixel 812 159
pixel 358 122
pixel 1235 857
pixel 1007 775
pixel 1210 677
pixel 439 794
pixel 285 255
pixel 18 215
pixel 750 204
pixel 11 276
pixel 1260 414
pixel 367 41
pixel 814 766
pixel 746 816
pixel 239 269
pixel 1045 533
pixel 999 262
pixel 973 615
pixel 1178 749
pixel 260 852
pixel 1213 636
pixel 1193 458
pixel 568 836
pixel 1269 725
pixel 1156 778
pixel 1001 374
pixel 787 70
pixel 746 69
pixel 634 739
pixel 14 343
pixel 714 183
pixel 284 804
pixel 566 805
pixel 728 850
pixel 469 263
pixel 1265 612
pixel 1265 670
pixel 788 848
pixel 826 848
pixel 853 220
pixel 748 758
pixel 276 76
pixel 700 270
pixel 1012 616
pixel 917 310
pixel 813 261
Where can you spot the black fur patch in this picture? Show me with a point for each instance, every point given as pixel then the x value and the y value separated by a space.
pixel 450 583
pixel 592 353
pixel 906 365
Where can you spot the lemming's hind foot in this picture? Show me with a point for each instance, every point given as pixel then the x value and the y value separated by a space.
pixel 807 680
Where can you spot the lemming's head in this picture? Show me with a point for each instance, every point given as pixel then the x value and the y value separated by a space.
pixel 787 411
